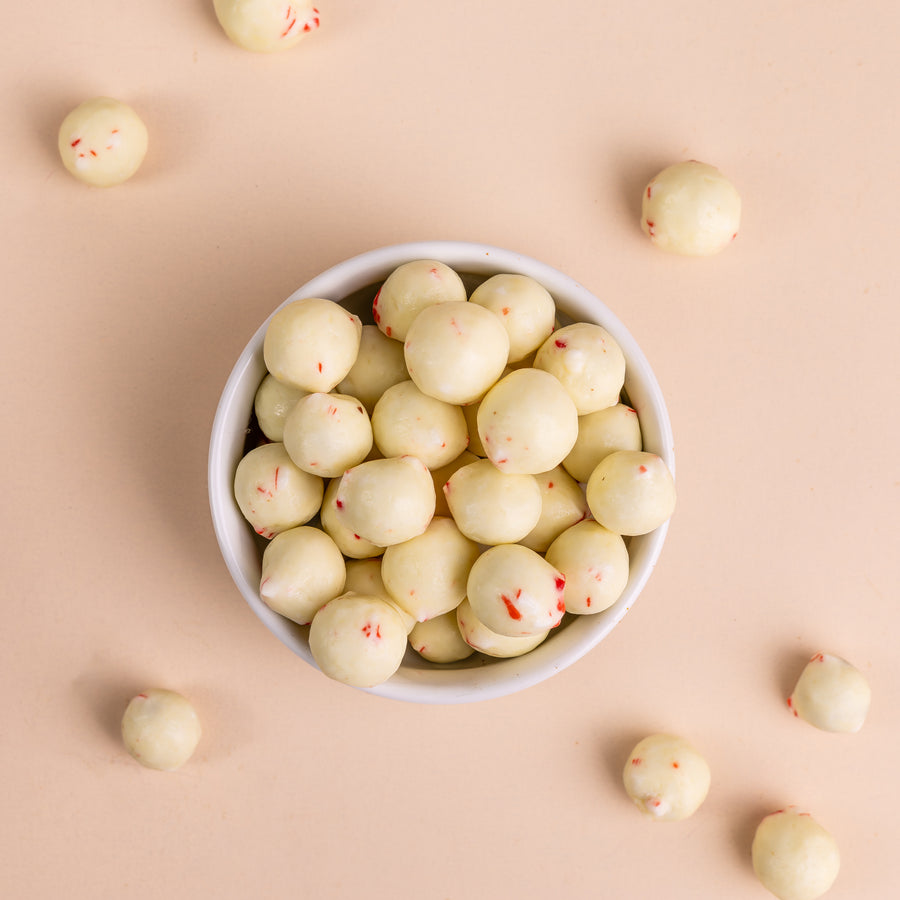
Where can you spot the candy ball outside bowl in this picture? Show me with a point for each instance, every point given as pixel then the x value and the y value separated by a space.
pixel 354 283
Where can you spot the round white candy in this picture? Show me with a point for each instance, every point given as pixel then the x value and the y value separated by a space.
pixel 302 569
pixel 386 501
pixel 527 422
pixel 160 729
pixel 595 562
pixel 562 505
pixel 102 142
pixel 379 365
pixel 455 351
pixel 631 492
pixel 599 434
pixel 523 306
pixel 326 434
pixel 349 542
pixel 478 636
pixel 272 403
pixel 515 591
pixel 407 422
pixel 690 208
pixel 266 26
pixel 312 343
pixel 426 575
pixel 442 475
pixel 793 856
pixel 666 778
pixel 490 506
pixel 439 640
pixel 272 493
pixel 364 577
pixel 831 694
pixel 409 289
pixel 588 362
pixel 358 640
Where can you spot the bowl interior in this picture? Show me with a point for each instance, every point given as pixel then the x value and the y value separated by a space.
pixel 354 283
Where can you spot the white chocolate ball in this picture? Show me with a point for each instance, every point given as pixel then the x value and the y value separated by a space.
pixel 272 493
pixel 358 640
pixel 524 307
pixel 272 403
pixel 439 640
pixel 595 563
pixel 407 422
pixel 515 591
pixel 599 434
pixel 409 289
pixel 364 577
pixel 426 575
pixel 102 142
pixel 588 362
pixel 500 646
pixel 302 569
pixel 631 492
pixel 490 506
pixel 160 729
pixel 266 26
pixel 442 475
pixel 455 351
pixel 349 542
pixel 831 694
pixel 666 778
pixel 563 504
pixel 527 422
pixel 312 343
pixel 326 434
pixel 691 209
pixel 379 365
pixel 793 856
pixel 386 501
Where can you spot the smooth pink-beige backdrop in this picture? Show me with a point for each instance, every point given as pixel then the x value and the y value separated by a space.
pixel 531 126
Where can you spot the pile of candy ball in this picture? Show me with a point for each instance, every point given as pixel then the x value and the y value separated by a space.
pixel 455 477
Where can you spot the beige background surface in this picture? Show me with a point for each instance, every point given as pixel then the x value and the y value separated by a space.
pixel 531 126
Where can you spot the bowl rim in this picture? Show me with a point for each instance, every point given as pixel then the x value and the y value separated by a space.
pixel 497 677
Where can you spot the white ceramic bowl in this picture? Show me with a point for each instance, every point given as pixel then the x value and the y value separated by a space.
pixel 354 282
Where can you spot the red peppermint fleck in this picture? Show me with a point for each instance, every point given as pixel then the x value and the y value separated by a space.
pixel 503 461
pixel 675 765
pixel 587 601
pixel 560 583
pixel 511 607
pixel 387 331
pixel 505 310
pixel 637 761
pixel 277 469
pixel 339 504
pixel 75 143
pixel 561 606
pixel 93 152
pixel 649 188
pixel 357 537
pixel 790 704
pixel 818 657
pixel 332 410
pixel 142 696
pixel 320 367
pixel 433 270
pixel 549 485
pixel 560 343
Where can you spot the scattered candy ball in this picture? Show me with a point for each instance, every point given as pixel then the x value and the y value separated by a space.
pixel 102 142
pixel 793 856
pixel 691 209
pixel 666 778
pixel 160 729
pixel 266 26
pixel 831 694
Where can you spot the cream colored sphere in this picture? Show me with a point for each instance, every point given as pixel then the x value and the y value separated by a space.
pixel 160 729
pixel 102 142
